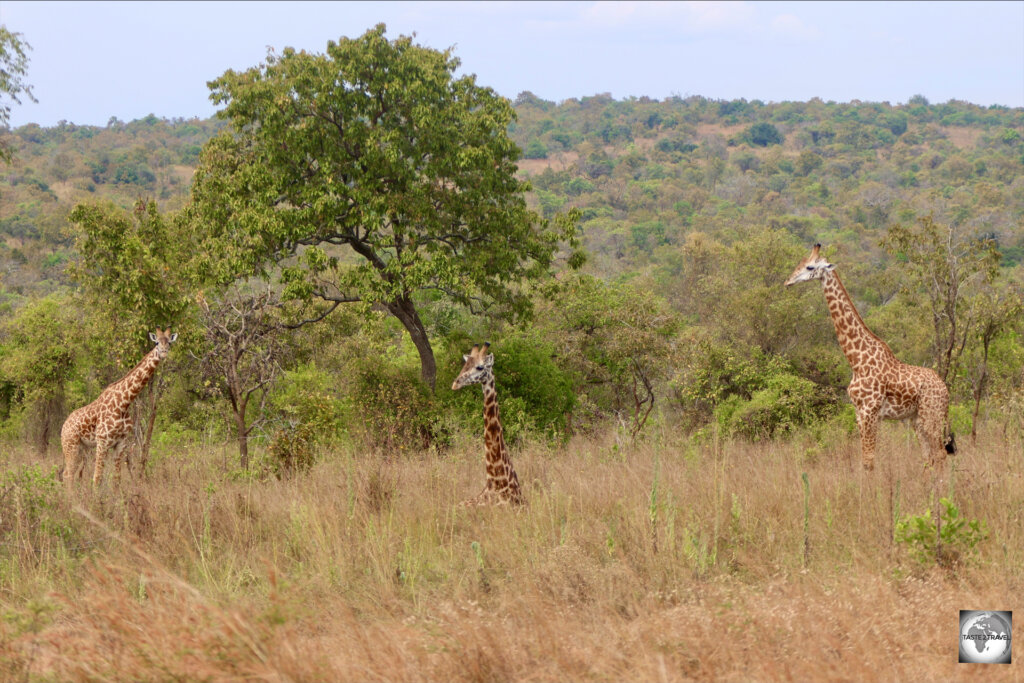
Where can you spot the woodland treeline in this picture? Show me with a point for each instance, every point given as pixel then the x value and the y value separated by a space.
pixel 328 257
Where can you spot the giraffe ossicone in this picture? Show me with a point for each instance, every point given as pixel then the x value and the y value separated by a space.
pixel 502 486
pixel 107 422
pixel 882 387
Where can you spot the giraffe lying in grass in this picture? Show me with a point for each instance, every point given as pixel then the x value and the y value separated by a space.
pixel 502 483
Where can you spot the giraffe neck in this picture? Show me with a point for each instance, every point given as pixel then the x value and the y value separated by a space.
pixel 859 344
pixel 128 387
pixel 494 440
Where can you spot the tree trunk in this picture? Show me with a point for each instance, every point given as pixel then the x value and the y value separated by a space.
pixel 239 402
pixel 979 389
pixel 49 416
pixel 146 437
pixel 405 311
pixel 243 437
pixel 43 442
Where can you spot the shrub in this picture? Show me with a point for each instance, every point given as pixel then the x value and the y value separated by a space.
pixel 292 450
pixel 32 508
pixel 786 403
pixel 304 396
pixel 955 542
pixel 764 134
pixel 534 392
pixel 396 411
pixel 535 150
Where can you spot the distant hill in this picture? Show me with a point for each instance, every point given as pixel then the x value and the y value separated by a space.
pixel 646 173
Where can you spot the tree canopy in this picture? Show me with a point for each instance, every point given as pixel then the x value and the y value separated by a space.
pixel 375 146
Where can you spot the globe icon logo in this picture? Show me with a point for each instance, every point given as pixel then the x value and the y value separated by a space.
pixel 985 637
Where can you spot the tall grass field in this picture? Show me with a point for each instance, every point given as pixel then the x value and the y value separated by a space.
pixel 672 558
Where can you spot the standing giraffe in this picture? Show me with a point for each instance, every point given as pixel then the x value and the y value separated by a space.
pixel 882 386
pixel 502 483
pixel 106 421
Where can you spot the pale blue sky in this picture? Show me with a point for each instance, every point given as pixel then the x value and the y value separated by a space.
pixel 94 60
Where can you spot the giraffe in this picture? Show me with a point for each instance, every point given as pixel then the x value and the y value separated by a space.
pixel 502 483
pixel 882 385
pixel 106 421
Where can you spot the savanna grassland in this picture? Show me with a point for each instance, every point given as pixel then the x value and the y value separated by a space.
pixel 669 559
pixel 678 418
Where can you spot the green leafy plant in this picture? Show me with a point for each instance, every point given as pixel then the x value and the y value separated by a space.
pixel 786 403
pixel 951 544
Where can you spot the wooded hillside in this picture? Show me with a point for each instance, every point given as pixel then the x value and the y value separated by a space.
pixel 699 207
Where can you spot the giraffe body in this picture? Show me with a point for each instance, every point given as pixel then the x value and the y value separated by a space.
pixel 106 422
pixel 882 387
pixel 502 486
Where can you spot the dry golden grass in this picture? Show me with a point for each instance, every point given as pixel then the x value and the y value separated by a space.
pixel 665 561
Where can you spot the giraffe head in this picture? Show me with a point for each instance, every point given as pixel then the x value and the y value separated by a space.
pixel 163 340
pixel 477 368
pixel 813 267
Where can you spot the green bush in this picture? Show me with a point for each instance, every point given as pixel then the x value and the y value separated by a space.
pixel 535 150
pixel 955 542
pixel 396 412
pixel 532 388
pixel 786 403
pixel 764 134
pixel 960 419
pixel 306 396
pixel 292 450
pixel 32 507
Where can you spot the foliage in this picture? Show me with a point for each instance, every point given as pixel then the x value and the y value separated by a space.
pixel 616 342
pixel 945 264
pixel 763 134
pixel 131 270
pixel 376 146
pixel 13 67
pixel 38 355
pixel 952 543
pixel 32 508
pixel 784 404
pixel 292 450
pixel 397 412
pixel 306 395
pixel 531 384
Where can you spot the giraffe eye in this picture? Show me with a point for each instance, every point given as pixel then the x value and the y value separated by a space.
pixel 810 267
pixel 479 367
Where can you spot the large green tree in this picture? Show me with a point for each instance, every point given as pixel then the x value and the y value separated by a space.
pixel 38 355
pixel 371 174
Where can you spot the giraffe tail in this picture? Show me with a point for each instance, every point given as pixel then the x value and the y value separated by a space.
pixel 951 444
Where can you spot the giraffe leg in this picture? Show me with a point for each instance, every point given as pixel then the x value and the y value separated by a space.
pixel 118 453
pixel 928 426
pixel 867 422
pixel 72 461
pixel 102 447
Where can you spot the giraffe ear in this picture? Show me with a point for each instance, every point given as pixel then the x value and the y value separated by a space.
pixel 173 337
pixel 465 358
pixel 489 360
pixel 152 337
